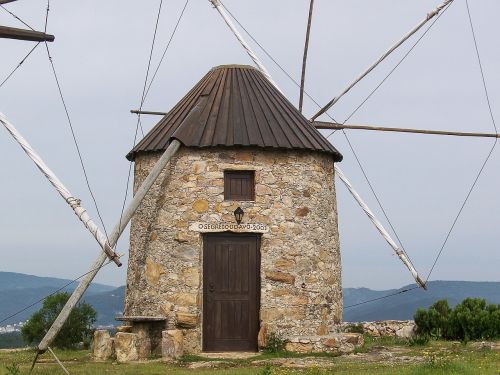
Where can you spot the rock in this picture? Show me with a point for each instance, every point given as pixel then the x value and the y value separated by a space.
pixel 261 337
pixel 199 167
pixel 354 338
pixel 127 329
pixel 302 211
pixel 299 347
pixel 172 344
pixel 332 342
pixel 200 205
pixel 208 364
pixel 185 299
pixel 103 345
pixel 186 320
pixel 143 344
pixel 262 189
pixel 282 277
pixel 191 276
pixel 126 347
pixel 153 272
pixel 181 237
pixel 285 264
pixel 406 332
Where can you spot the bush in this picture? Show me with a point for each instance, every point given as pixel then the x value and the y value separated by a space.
pixel 78 327
pixel 473 319
pixel 274 343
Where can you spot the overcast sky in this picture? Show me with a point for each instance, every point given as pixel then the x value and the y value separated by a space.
pixel 101 53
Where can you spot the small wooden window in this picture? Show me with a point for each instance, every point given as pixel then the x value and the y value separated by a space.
pixel 239 185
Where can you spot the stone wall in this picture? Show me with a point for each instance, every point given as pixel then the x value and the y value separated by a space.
pixel 382 328
pixel 300 258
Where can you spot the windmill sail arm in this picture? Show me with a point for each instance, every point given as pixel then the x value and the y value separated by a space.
pixel 113 238
pixel 427 18
pixel 73 202
pixel 399 252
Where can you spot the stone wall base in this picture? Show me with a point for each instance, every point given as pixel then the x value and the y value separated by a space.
pixel 382 328
pixel 338 343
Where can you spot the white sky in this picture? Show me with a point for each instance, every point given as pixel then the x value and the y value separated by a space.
pixel 101 52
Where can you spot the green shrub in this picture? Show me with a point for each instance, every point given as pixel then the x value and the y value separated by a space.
pixel 274 343
pixel 78 327
pixel 13 369
pixel 473 319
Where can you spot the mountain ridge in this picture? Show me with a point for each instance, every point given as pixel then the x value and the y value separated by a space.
pixel 109 300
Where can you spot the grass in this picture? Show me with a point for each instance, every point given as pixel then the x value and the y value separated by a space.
pixel 439 358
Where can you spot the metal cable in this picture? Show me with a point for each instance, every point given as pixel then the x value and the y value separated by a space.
pixel 72 129
pixel 16 17
pixel 331 117
pixel 18 65
pixel 56 291
pixel 272 58
pixel 145 92
pixel 379 298
pixel 487 97
pixel 166 49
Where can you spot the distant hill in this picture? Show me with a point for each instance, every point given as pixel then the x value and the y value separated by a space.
pixel 403 306
pixel 19 290
pixel 14 280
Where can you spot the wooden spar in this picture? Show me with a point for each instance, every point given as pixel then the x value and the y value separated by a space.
pixel 304 59
pixel 139 112
pixel 332 125
pixel 113 238
pixel 427 18
pixel 399 252
pixel 6 1
pixel 22 34
pixel 58 361
pixel 72 201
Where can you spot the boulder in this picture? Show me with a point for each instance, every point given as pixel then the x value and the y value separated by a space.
pixel 186 320
pixel 103 345
pixel 172 344
pixel 126 347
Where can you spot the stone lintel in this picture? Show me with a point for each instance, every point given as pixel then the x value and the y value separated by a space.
pixel 229 227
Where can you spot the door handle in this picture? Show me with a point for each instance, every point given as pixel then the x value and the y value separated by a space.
pixel 211 287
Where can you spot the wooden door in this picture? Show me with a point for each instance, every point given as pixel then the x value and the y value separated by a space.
pixel 231 292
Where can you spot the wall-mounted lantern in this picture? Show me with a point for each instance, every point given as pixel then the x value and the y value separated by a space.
pixel 238 215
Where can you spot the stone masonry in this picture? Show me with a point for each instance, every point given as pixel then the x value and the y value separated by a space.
pixel 300 259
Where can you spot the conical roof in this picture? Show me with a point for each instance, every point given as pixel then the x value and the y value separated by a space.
pixel 235 105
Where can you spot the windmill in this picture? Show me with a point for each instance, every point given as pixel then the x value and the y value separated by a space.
pixel 172 149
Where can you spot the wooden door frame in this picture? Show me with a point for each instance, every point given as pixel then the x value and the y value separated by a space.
pixel 258 237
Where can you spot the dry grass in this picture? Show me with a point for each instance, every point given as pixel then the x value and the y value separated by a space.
pixel 437 358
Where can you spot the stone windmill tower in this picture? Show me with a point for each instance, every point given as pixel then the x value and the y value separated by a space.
pixel 239 234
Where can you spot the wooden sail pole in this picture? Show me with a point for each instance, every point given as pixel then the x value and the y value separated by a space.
pixel 304 58
pixel 427 18
pixel 113 238
pixel 22 34
pixel 72 201
pixel 400 252
pixel 336 126
pixel 6 1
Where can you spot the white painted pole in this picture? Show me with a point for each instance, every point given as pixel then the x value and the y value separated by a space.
pixel 113 238
pixel 399 252
pixel 427 18
pixel 73 202
pixel 355 195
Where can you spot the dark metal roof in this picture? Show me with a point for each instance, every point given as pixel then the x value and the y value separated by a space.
pixel 235 105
